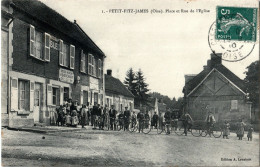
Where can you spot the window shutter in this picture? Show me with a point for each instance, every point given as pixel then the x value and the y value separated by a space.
pixel 72 56
pixel 89 64
pixel 82 62
pixel 14 94
pixel 47 47
pixel 49 94
pixel 31 96
pixel 61 53
pixel 61 95
pixel 99 68
pixel 32 41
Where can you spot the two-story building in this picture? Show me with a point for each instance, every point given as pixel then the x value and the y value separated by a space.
pixel 51 60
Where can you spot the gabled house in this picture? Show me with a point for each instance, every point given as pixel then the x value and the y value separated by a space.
pixel 216 89
pixel 117 94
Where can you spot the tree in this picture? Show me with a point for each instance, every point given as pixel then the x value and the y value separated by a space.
pixel 141 89
pixel 252 82
pixel 130 81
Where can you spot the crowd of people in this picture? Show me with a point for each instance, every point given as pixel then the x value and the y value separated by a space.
pixel 97 116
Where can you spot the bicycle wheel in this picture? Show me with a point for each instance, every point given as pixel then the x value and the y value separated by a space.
pixel 118 127
pixel 146 127
pixel 132 126
pixel 196 131
pixel 179 130
pixel 216 132
pixel 204 132
pixel 160 128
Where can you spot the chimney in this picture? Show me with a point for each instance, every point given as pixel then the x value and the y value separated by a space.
pixel 75 21
pixel 109 72
pixel 216 59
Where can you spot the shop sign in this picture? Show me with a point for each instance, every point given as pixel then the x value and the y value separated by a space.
pixel 66 76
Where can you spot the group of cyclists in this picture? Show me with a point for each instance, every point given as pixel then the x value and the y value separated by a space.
pixel 105 118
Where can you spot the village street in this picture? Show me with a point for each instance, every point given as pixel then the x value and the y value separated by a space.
pixel 100 148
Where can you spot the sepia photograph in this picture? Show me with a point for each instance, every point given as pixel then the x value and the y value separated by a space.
pixel 129 83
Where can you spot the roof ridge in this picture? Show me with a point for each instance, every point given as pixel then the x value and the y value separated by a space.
pixel 88 37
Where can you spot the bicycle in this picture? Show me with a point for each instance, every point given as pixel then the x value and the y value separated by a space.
pixel 146 126
pixel 216 131
pixel 120 124
pixel 179 128
pixel 133 126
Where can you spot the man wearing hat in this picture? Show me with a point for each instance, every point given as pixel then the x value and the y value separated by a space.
pixel 210 120
pixel 127 115
pixel 112 115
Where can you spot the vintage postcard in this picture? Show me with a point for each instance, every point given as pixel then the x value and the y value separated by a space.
pixel 130 83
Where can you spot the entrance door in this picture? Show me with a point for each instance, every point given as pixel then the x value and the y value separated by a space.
pixel 85 97
pixel 37 102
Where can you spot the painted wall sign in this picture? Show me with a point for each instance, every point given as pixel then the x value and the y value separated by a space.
pixel 54 44
pixel 66 76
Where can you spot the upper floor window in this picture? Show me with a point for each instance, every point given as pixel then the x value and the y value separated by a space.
pixel 83 64
pixel 99 68
pixel 66 55
pixel 91 65
pixel 39 44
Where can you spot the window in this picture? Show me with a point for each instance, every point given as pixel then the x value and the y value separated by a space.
pixel 24 95
pixel 85 97
pixel 38 45
pixel 234 104
pixel 66 55
pixel 91 65
pixel 66 93
pixel 66 52
pixel 101 99
pixel 96 98
pixel 83 63
pixel 99 68
pixel 55 96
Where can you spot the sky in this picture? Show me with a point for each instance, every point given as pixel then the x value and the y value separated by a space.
pixel 164 46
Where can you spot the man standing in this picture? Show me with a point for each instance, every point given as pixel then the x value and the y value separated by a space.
pixel 210 120
pixel 127 115
pixel 155 119
pixel 112 115
pixel 94 114
pixel 187 122
pixel 167 117
pixel 140 118
pixel 84 112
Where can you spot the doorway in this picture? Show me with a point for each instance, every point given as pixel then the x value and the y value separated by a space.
pixel 37 102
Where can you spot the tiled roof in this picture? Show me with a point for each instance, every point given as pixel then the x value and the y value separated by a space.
pixel 114 85
pixel 42 12
pixel 189 86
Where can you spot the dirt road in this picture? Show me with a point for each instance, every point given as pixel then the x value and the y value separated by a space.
pixel 99 148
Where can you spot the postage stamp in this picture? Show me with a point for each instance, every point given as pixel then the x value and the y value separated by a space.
pixel 236 23
pixel 234 33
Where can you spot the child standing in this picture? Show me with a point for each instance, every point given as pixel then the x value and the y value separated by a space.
pixel 240 129
pixel 226 131
pixel 250 132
